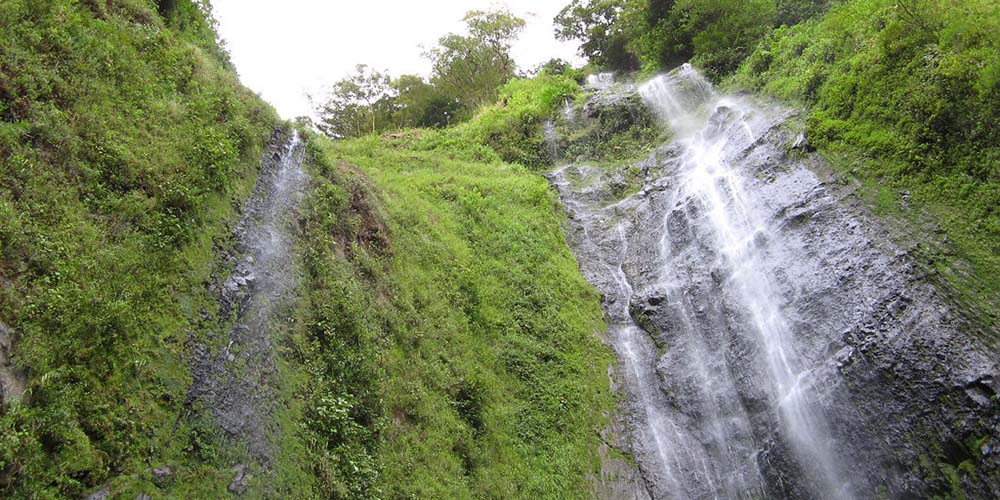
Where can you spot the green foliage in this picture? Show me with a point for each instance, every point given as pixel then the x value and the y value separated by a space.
pixel 467 74
pixel 420 104
pixel 495 383
pixel 720 33
pixel 441 344
pixel 345 247
pixel 193 22
pixel 122 141
pixel 792 12
pixel 596 24
pixel 362 103
pixel 472 67
pixel 511 130
pixel 903 95
pixel 557 66
pixel 608 130
pixel 716 35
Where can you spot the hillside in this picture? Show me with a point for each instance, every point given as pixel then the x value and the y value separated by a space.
pixel 126 143
pixel 749 251
pixel 440 341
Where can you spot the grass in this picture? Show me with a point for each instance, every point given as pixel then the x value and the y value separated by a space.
pixel 124 146
pixel 443 344
pixel 495 383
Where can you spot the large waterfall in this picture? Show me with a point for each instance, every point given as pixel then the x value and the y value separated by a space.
pixel 743 298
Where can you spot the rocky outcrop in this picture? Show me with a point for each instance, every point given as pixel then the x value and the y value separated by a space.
pixel 893 387
pixel 611 125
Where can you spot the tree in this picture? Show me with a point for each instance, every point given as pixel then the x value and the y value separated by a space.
pixel 555 66
pixel 721 33
pixel 472 67
pixel 660 34
pixel 420 104
pixel 597 25
pixel 166 6
pixel 356 105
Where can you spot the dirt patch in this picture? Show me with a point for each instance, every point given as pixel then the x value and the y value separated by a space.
pixel 13 380
pixel 364 211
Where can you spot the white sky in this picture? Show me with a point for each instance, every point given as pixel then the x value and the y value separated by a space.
pixel 298 48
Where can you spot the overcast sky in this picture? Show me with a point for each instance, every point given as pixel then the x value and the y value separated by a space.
pixel 284 50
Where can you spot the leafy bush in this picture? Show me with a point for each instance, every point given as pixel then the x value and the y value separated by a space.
pixel 608 128
pixel 511 130
pixel 345 244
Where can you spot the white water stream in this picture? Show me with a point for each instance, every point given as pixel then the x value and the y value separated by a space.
pixel 716 388
pixel 710 179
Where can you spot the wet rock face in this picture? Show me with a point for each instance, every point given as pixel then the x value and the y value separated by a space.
pixel 791 349
pixel 234 368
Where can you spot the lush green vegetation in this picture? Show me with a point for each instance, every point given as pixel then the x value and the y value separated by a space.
pixel 652 35
pixel 124 140
pixel 495 382
pixel 468 71
pixel 900 95
pixel 346 319
pixel 905 96
pixel 442 343
pixel 607 130
pixel 511 129
pixel 481 330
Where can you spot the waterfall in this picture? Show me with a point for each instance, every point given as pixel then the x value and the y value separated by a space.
pixel 234 378
pixel 601 81
pixel 551 139
pixel 721 402
pixel 711 183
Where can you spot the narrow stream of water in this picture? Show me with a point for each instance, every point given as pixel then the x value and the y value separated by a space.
pixel 236 382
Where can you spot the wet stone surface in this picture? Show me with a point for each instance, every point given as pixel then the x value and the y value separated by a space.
pixel 774 343
pixel 234 367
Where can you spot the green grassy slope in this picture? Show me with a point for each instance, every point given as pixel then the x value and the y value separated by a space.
pixel 442 273
pixel 125 143
pixel 495 384
pixel 442 344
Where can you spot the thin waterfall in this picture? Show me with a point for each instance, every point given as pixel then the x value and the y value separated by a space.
pixel 235 381
pixel 551 139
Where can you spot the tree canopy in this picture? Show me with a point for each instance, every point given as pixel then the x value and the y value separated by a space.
pixel 472 67
pixel 623 35
pixel 595 23
pixel 357 104
pixel 468 69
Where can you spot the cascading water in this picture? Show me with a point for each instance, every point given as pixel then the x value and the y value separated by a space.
pixel 551 139
pixel 726 399
pixel 710 183
pixel 235 380
pixel 602 81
